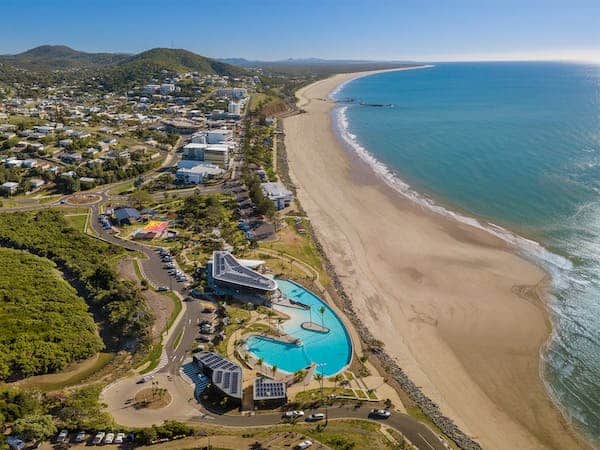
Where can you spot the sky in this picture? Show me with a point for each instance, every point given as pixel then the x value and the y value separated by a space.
pixel 416 30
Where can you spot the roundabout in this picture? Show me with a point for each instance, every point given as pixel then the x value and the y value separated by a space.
pixel 83 199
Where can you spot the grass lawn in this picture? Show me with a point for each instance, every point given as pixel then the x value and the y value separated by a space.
pixel 152 359
pixel 238 317
pixel 118 190
pixel 49 199
pixel 299 246
pixel 177 306
pixel 77 221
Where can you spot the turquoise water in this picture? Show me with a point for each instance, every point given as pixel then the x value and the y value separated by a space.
pixel 331 351
pixel 517 146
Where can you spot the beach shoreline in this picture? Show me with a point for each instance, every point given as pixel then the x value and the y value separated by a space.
pixel 458 309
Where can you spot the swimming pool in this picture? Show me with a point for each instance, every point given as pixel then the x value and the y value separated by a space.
pixel 331 351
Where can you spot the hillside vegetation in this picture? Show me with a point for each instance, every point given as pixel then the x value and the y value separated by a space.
pixel 44 324
pixel 59 57
pixel 87 263
pixel 51 63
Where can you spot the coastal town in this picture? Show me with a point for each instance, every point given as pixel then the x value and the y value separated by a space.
pixel 185 178
pixel 254 225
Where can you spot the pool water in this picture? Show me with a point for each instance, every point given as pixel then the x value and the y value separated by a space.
pixel 331 351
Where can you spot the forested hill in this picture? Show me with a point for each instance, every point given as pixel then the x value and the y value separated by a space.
pixel 59 57
pixel 151 63
pixel 50 63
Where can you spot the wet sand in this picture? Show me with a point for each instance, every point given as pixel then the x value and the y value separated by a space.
pixel 459 311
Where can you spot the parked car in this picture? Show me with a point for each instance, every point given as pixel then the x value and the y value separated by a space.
pixel 63 436
pixel 120 438
pixel 98 438
pixel 162 289
pixel 380 413
pixel 109 439
pixel 293 414
pixel 80 437
pixel 304 444
pixel 315 417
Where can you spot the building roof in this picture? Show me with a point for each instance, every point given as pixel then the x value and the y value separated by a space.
pixel 126 213
pixel 226 375
pixel 267 389
pixel 227 269
pixel 275 190
pixel 201 169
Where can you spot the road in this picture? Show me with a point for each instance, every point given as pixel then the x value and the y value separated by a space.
pixel 117 394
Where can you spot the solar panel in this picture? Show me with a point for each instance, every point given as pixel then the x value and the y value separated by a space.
pixel 226 378
pixel 234 382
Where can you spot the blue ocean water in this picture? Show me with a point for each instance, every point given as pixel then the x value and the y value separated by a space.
pixel 505 146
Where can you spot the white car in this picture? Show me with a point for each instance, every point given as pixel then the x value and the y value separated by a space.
pixel 304 444
pixel 120 437
pixel 293 414
pixel 381 413
pixel 110 437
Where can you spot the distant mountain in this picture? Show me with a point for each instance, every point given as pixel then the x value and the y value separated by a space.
pixel 59 57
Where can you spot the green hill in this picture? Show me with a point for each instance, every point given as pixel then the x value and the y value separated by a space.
pixel 113 70
pixel 59 57
pixel 144 66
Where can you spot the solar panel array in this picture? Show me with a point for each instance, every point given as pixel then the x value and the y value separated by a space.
pixel 265 389
pixel 227 268
pixel 226 375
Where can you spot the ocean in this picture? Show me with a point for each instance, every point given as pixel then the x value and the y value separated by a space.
pixel 513 147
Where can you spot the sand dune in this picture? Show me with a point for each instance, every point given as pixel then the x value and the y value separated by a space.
pixel 450 302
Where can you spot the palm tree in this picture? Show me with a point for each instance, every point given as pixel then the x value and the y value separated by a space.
pixel 336 380
pixel 274 370
pixel 260 362
pixel 322 311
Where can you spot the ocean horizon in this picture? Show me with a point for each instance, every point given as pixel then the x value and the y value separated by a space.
pixel 512 148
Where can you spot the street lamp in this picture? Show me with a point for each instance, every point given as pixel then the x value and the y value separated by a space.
pixel 319 365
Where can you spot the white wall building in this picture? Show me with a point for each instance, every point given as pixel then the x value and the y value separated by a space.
pixel 277 193
pixel 198 173
pixel 234 108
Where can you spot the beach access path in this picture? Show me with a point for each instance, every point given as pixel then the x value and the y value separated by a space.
pixel 440 294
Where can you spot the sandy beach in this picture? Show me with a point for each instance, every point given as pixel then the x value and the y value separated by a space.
pixel 457 309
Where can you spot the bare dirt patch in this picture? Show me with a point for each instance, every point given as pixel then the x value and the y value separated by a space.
pixel 152 398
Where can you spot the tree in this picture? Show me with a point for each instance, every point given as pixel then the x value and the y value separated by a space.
pixel 322 311
pixel 35 427
pixel 336 380
pixel 140 198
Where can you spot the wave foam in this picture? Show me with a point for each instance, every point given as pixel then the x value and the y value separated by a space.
pixel 557 265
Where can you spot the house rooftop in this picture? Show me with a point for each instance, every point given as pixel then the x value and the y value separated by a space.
pixel 226 375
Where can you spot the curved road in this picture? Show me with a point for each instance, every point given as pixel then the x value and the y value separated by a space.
pixel 119 393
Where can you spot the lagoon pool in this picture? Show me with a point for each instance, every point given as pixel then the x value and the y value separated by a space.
pixel 331 351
